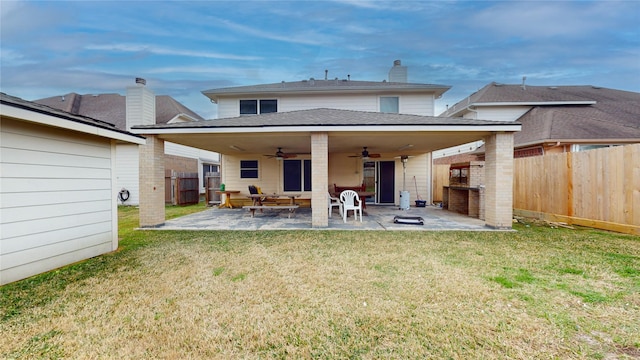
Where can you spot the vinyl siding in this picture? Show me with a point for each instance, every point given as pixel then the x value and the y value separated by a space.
pixel 127 171
pixel 409 104
pixel 498 113
pixel 56 198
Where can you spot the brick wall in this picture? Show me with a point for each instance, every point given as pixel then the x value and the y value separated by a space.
pixel 320 183
pixel 499 180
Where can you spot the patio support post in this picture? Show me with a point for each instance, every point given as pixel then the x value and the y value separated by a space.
pixel 320 179
pixel 151 182
pixel 499 180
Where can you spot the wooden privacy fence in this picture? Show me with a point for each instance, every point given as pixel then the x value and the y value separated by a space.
pixel 181 188
pixel 596 188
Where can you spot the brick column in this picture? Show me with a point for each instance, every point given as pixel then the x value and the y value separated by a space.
pixel 320 179
pixel 499 180
pixel 151 182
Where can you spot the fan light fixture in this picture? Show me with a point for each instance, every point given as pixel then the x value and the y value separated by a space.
pixel 279 154
pixel 365 153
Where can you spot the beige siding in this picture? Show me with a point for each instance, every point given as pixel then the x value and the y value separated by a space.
pixel 56 196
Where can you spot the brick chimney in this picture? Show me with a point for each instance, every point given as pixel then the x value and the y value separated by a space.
pixel 141 105
pixel 398 73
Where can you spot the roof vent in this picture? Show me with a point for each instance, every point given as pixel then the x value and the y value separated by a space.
pixel 141 81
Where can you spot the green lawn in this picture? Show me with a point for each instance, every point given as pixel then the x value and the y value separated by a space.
pixel 536 293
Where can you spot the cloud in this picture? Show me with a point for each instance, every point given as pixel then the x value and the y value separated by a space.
pixel 153 49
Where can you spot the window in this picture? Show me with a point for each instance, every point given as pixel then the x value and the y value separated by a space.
pixel 389 104
pixel 459 174
pixel 254 107
pixel 208 168
pixel 248 169
pixel 297 175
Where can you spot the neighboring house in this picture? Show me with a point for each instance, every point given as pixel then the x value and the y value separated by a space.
pixel 557 118
pixel 137 108
pixel 57 187
pixel 322 127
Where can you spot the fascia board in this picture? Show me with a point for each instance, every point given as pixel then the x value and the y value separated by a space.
pixel 532 103
pixel 347 128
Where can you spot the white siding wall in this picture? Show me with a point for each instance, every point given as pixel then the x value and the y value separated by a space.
pixel 409 104
pixel 56 199
pixel 127 172
pixel 498 113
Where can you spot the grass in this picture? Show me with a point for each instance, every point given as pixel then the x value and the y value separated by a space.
pixel 535 293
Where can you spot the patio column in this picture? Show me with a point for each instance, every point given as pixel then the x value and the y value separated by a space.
pixel 499 180
pixel 151 168
pixel 320 179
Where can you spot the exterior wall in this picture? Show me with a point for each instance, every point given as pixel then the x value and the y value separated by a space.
pixel 57 198
pixel 127 172
pixel 180 164
pixel 420 167
pixel 409 104
pixel 269 175
pixel 497 113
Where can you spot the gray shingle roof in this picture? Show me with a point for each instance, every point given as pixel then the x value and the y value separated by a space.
pixel 47 110
pixel 336 85
pixel 612 114
pixel 330 117
pixel 112 107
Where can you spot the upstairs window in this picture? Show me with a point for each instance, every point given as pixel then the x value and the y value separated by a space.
pixel 389 104
pixel 254 107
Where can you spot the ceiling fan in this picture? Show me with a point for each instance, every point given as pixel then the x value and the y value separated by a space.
pixel 365 154
pixel 279 155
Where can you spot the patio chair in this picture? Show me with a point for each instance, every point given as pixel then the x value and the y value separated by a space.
pixel 350 201
pixel 254 190
pixel 334 202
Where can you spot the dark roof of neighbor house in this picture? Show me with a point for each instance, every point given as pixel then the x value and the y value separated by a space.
pixel 561 113
pixel 336 85
pixel 112 107
pixel 47 110
pixel 329 117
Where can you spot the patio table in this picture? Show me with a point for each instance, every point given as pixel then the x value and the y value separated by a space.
pixel 227 197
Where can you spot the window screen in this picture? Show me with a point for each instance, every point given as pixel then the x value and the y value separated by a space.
pixel 389 104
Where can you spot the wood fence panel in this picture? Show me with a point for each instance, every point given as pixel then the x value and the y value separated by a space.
pixel 440 179
pixel 600 186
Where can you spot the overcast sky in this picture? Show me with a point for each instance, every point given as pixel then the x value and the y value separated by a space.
pixel 181 48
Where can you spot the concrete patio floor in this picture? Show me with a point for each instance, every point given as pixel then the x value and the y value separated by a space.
pixel 378 218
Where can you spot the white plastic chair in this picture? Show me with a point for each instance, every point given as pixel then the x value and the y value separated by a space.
pixel 334 202
pixel 350 201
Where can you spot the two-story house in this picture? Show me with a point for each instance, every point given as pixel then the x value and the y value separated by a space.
pixel 305 136
pixel 383 174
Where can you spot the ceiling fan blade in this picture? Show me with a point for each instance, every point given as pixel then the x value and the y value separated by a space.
pixel 374 155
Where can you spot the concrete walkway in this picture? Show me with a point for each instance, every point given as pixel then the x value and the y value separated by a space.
pixel 377 218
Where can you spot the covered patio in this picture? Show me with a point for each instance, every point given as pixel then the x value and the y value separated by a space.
pixel 378 218
pixel 330 137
